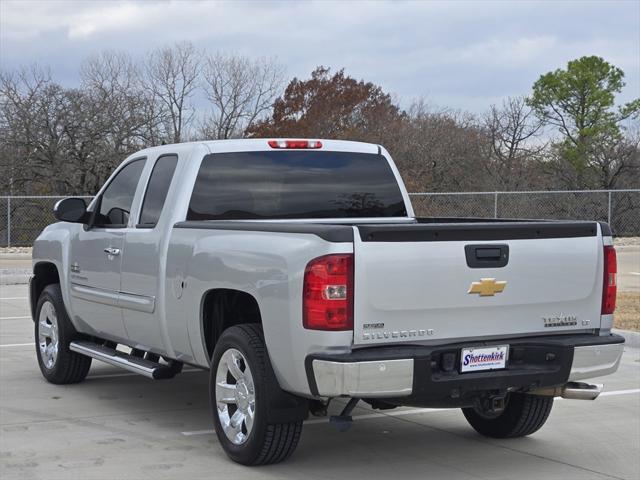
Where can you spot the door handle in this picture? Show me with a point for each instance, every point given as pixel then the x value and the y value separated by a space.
pixel 112 251
pixel 487 255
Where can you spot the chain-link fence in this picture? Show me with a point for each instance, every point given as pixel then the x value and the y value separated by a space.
pixel 619 208
pixel 22 218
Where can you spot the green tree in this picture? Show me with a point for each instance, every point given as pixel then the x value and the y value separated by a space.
pixel 580 102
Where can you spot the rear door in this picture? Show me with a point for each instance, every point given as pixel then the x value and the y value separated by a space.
pixel 432 282
pixel 141 267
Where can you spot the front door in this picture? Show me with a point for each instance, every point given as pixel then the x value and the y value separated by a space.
pixel 95 257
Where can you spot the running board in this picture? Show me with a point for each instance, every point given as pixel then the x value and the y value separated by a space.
pixel 132 363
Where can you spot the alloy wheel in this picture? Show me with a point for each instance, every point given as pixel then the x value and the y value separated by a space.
pixel 235 396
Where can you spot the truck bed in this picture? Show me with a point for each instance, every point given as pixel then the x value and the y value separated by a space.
pixel 414 282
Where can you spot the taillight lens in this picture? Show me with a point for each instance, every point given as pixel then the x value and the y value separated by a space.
pixel 327 302
pixel 296 144
pixel 610 286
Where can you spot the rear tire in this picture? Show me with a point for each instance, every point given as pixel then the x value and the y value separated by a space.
pixel 523 415
pixel 240 381
pixel 53 334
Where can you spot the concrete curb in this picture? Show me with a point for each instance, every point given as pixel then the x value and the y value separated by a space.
pixel 14 276
pixel 632 339
pixel 15 256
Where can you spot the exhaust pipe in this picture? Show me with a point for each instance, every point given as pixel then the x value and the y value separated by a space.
pixel 572 391
pixel 581 391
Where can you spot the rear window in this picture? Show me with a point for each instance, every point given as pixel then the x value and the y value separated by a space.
pixel 294 184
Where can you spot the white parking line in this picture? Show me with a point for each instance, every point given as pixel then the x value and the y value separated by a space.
pixel 13 318
pixel 14 298
pixel 18 345
pixel 634 273
pixel 200 432
pixel 620 392
pixel 401 413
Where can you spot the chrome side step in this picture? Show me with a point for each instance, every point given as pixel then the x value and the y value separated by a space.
pixel 132 363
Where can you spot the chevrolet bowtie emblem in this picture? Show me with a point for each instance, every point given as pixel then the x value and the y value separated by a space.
pixel 487 287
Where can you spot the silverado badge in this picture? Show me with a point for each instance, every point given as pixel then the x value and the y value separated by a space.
pixel 487 287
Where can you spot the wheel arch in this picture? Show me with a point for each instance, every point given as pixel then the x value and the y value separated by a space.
pixel 44 273
pixel 221 308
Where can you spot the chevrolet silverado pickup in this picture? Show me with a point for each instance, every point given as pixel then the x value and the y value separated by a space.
pixel 296 272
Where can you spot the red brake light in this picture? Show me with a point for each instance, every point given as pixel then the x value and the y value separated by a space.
pixel 295 143
pixel 610 287
pixel 327 295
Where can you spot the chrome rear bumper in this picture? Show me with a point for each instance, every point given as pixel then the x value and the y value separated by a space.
pixel 395 377
pixel 378 379
pixel 595 361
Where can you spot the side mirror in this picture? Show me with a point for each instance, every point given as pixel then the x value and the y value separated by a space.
pixel 72 210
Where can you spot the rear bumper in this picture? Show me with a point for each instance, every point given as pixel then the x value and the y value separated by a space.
pixel 416 375
pixel 595 360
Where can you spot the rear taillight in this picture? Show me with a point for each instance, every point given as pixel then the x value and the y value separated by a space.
pixel 327 295
pixel 295 143
pixel 610 287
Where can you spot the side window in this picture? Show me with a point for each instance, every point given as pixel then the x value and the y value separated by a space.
pixel 157 190
pixel 116 200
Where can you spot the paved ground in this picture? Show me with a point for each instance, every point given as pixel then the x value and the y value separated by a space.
pixel 15 268
pixel 117 425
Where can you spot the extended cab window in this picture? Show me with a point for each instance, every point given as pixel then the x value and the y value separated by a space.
pixel 115 202
pixel 157 190
pixel 295 184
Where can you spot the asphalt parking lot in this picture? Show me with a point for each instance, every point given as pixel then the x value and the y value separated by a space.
pixel 119 425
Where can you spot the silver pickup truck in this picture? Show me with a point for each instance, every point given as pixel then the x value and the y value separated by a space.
pixel 296 272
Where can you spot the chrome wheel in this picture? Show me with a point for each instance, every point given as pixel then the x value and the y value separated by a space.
pixel 235 396
pixel 48 334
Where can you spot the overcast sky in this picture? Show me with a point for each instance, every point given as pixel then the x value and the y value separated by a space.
pixel 459 54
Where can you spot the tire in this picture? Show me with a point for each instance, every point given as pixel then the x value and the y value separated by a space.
pixel 523 415
pixel 244 395
pixel 53 334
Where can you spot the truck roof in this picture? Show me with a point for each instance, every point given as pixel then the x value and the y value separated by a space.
pixel 258 144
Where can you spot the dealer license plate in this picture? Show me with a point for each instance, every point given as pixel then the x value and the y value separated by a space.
pixel 478 359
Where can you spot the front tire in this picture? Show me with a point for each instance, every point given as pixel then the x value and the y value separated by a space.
pixel 240 381
pixel 523 415
pixel 53 334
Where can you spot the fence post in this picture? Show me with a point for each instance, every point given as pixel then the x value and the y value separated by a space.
pixel 609 210
pixel 8 221
pixel 495 204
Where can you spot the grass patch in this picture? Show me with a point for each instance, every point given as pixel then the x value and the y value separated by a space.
pixel 627 315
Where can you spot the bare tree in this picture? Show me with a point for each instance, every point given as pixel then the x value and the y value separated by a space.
pixel 513 140
pixel 33 112
pixel 240 91
pixel 171 76
pixel 440 150
pixel 617 161
pixel 116 81
pixel 106 115
pixel 614 163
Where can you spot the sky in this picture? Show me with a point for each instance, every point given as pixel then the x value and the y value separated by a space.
pixel 463 55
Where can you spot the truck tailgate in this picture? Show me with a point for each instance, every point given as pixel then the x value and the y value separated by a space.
pixel 417 282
